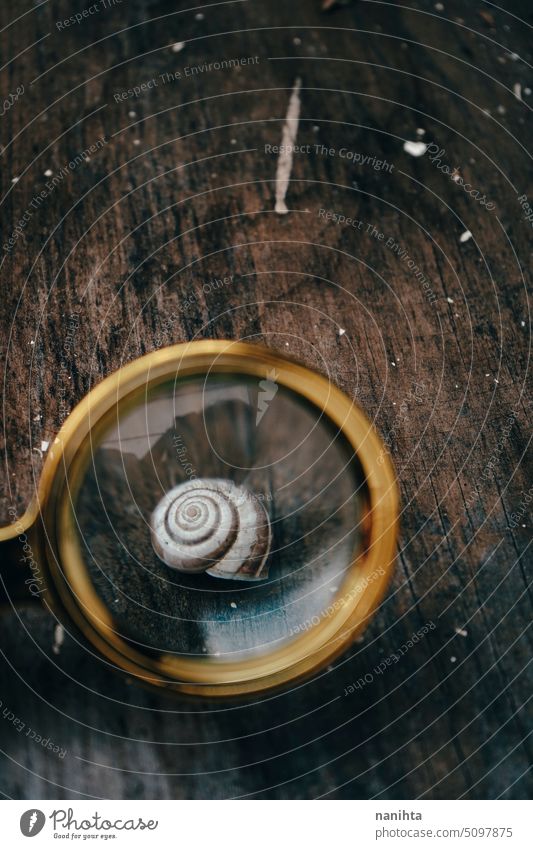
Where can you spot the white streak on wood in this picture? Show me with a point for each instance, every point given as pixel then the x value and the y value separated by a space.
pixel 288 138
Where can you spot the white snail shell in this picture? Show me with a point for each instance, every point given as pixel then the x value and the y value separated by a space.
pixel 212 525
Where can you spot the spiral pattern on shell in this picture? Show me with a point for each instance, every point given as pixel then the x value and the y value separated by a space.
pixel 212 525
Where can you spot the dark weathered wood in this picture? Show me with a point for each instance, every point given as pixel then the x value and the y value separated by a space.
pixel 112 264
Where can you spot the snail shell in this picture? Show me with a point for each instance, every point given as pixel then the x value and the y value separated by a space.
pixel 212 525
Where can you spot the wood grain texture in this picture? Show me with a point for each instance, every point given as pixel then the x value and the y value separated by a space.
pixel 118 258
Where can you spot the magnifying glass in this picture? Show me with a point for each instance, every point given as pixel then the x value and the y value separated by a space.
pixel 214 518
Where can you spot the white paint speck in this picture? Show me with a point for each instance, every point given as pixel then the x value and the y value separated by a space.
pixel 59 636
pixel 420 131
pixel 464 237
pixel 136 141
pixel 461 632
pixel 393 363
pixel 178 46
pixel 415 148
pixel 44 445
pixel 233 604
pixel 453 659
pixel 439 7
pixel 522 324
pixel 527 91
pixel 517 91
pixel 513 56
pixel 450 300
pixel 48 172
pixel 14 179
pixel 341 331
pixel 132 114
pixel 199 16
pixel 288 138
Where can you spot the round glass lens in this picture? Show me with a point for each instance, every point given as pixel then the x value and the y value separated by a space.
pixel 217 516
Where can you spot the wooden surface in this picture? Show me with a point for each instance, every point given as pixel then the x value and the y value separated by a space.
pixel 114 261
